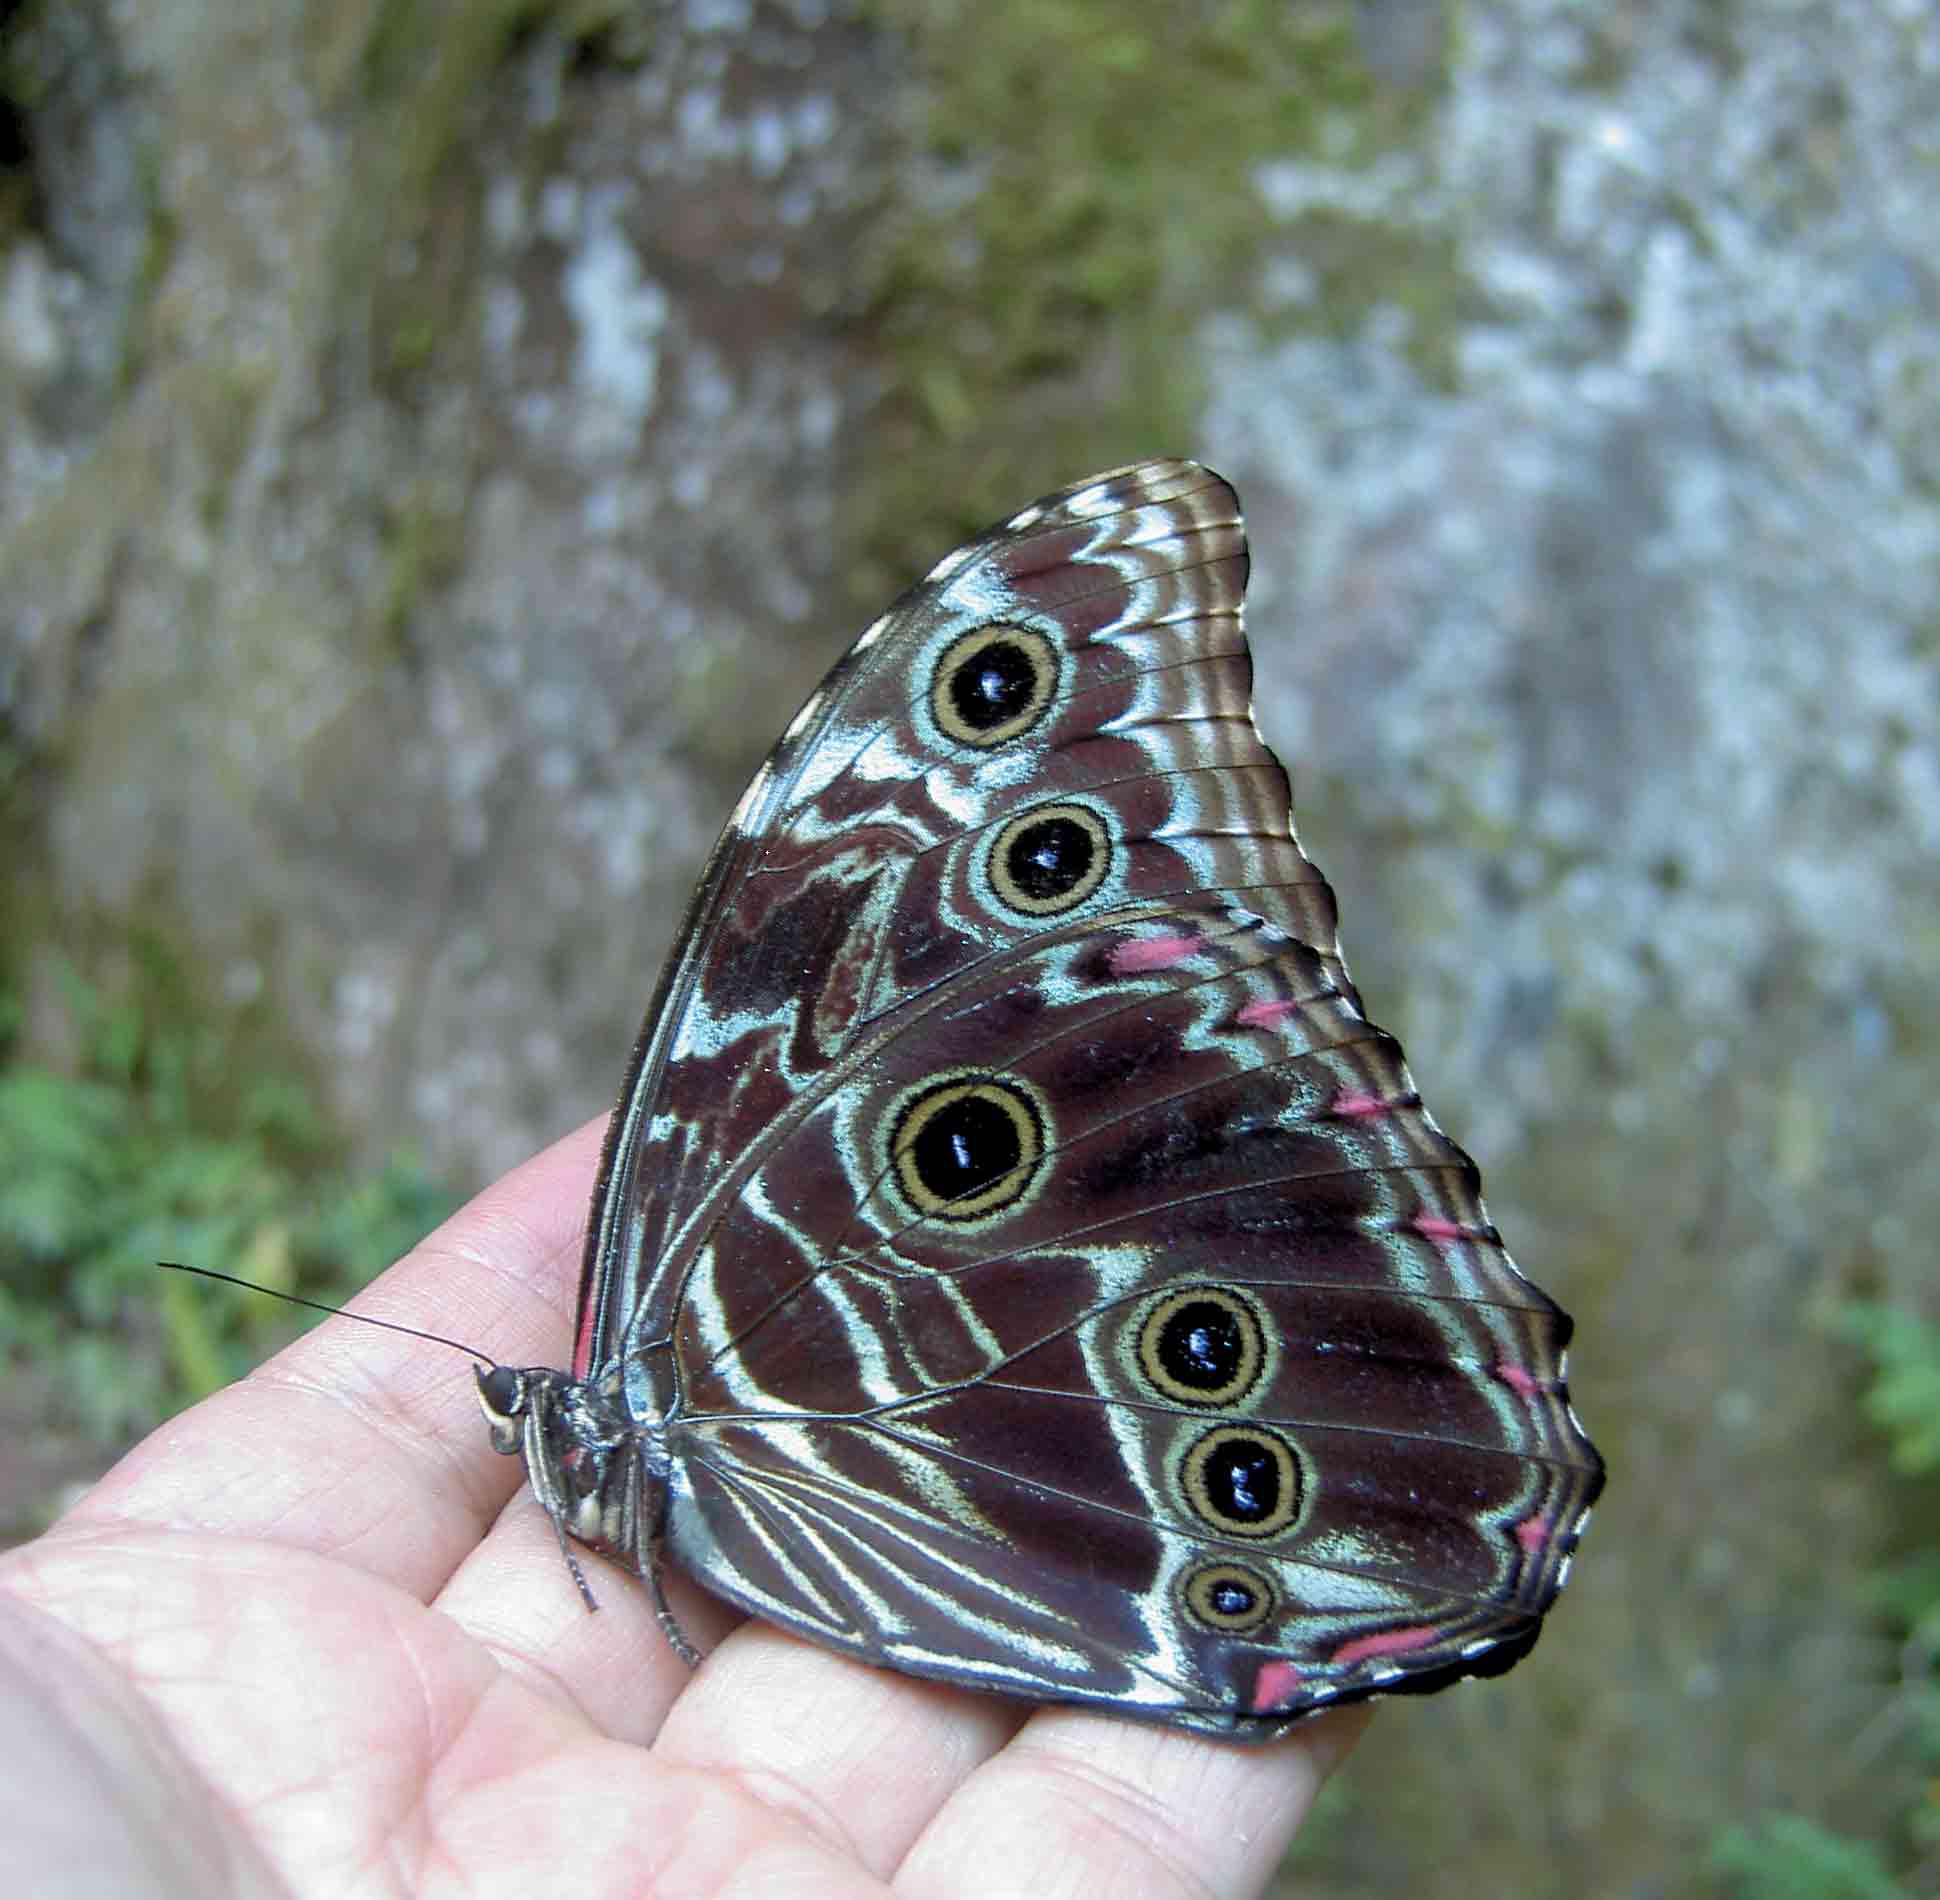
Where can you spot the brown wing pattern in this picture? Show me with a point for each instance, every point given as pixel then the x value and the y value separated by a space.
pixel 1067 1292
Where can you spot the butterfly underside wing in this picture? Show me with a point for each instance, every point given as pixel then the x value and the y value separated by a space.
pixel 1016 1258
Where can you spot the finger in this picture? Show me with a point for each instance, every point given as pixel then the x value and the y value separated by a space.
pixel 1083 1804
pixel 95 1785
pixel 365 1445
pixel 614 1666
pixel 863 1757
pixel 811 1730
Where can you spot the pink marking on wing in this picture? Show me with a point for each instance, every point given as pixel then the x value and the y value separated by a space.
pixel 1434 1227
pixel 583 1366
pixel 1151 953
pixel 1360 1107
pixel 1387 1643
pixel 1264 1015
pixel 1277 1686
pixel 1533 1533
pixel 1517 1380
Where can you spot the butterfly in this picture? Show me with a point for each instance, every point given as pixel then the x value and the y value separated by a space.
pixel 1016 1259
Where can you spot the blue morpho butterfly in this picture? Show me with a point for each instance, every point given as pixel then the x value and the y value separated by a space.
pixel 1016 1260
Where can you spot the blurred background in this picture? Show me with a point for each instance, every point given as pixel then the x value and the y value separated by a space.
pixel 441 441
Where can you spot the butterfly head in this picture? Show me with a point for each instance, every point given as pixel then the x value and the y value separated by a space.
pixel 505 1397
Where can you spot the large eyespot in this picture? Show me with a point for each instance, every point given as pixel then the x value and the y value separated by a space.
pixel 1243 1481
pixel 1201 1346
pixel 967 1146
pixel 1049 860
pixel 993 684
pixel 1229 1599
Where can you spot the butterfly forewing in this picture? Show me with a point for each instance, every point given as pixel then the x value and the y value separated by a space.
pixel 1037 1271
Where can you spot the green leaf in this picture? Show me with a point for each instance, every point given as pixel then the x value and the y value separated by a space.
pixel 1787 1857
pixel 1903 1400
pixel 163 1148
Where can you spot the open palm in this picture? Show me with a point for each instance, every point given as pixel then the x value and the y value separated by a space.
pixel 315 1638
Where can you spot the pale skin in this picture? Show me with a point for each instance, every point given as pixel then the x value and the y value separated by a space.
pixel 315 1637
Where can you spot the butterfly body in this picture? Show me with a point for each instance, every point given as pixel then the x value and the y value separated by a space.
pixel 1016 1259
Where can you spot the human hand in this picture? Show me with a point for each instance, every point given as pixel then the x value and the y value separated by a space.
pixel 315 1637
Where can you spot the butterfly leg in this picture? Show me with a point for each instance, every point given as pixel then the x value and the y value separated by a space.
pixel 669 1623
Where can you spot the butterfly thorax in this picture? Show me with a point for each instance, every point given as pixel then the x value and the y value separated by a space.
pixel 596 1468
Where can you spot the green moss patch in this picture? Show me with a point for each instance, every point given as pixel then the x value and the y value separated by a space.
pixel 1080 193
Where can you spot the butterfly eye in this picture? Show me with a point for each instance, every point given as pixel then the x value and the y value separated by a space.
pixel 1050 860
pixel 1244 1482
pixel 502 1392
pixel 993 684
pixel 966 1148
pixel 1204 1346
pixel 1228 1598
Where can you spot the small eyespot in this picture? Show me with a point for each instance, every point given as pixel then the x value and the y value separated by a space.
pixel 1243 1481
pixel 1201 1345
pixel 1050 859
pixel 967 1146
pixel 1228 1599
pixel 993 684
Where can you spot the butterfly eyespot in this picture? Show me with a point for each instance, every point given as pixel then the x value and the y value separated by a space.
pixel 1049 860
pixel 993 684
pixel 1243 1481
pixel 1229 1599
pixel 968 1146
pixel 1201 1346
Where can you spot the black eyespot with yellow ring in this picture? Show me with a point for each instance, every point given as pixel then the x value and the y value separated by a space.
pixel 1201 1345
pixel 1243 1481
pixel 967 1146
pixel 1049 860
pixel 1228 1599
pixel 993 684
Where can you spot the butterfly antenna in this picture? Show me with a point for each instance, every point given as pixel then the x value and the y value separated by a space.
pixel 319 1306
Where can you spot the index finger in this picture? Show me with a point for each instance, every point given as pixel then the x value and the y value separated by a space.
pixel 1082 1804
pixel 365 1445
